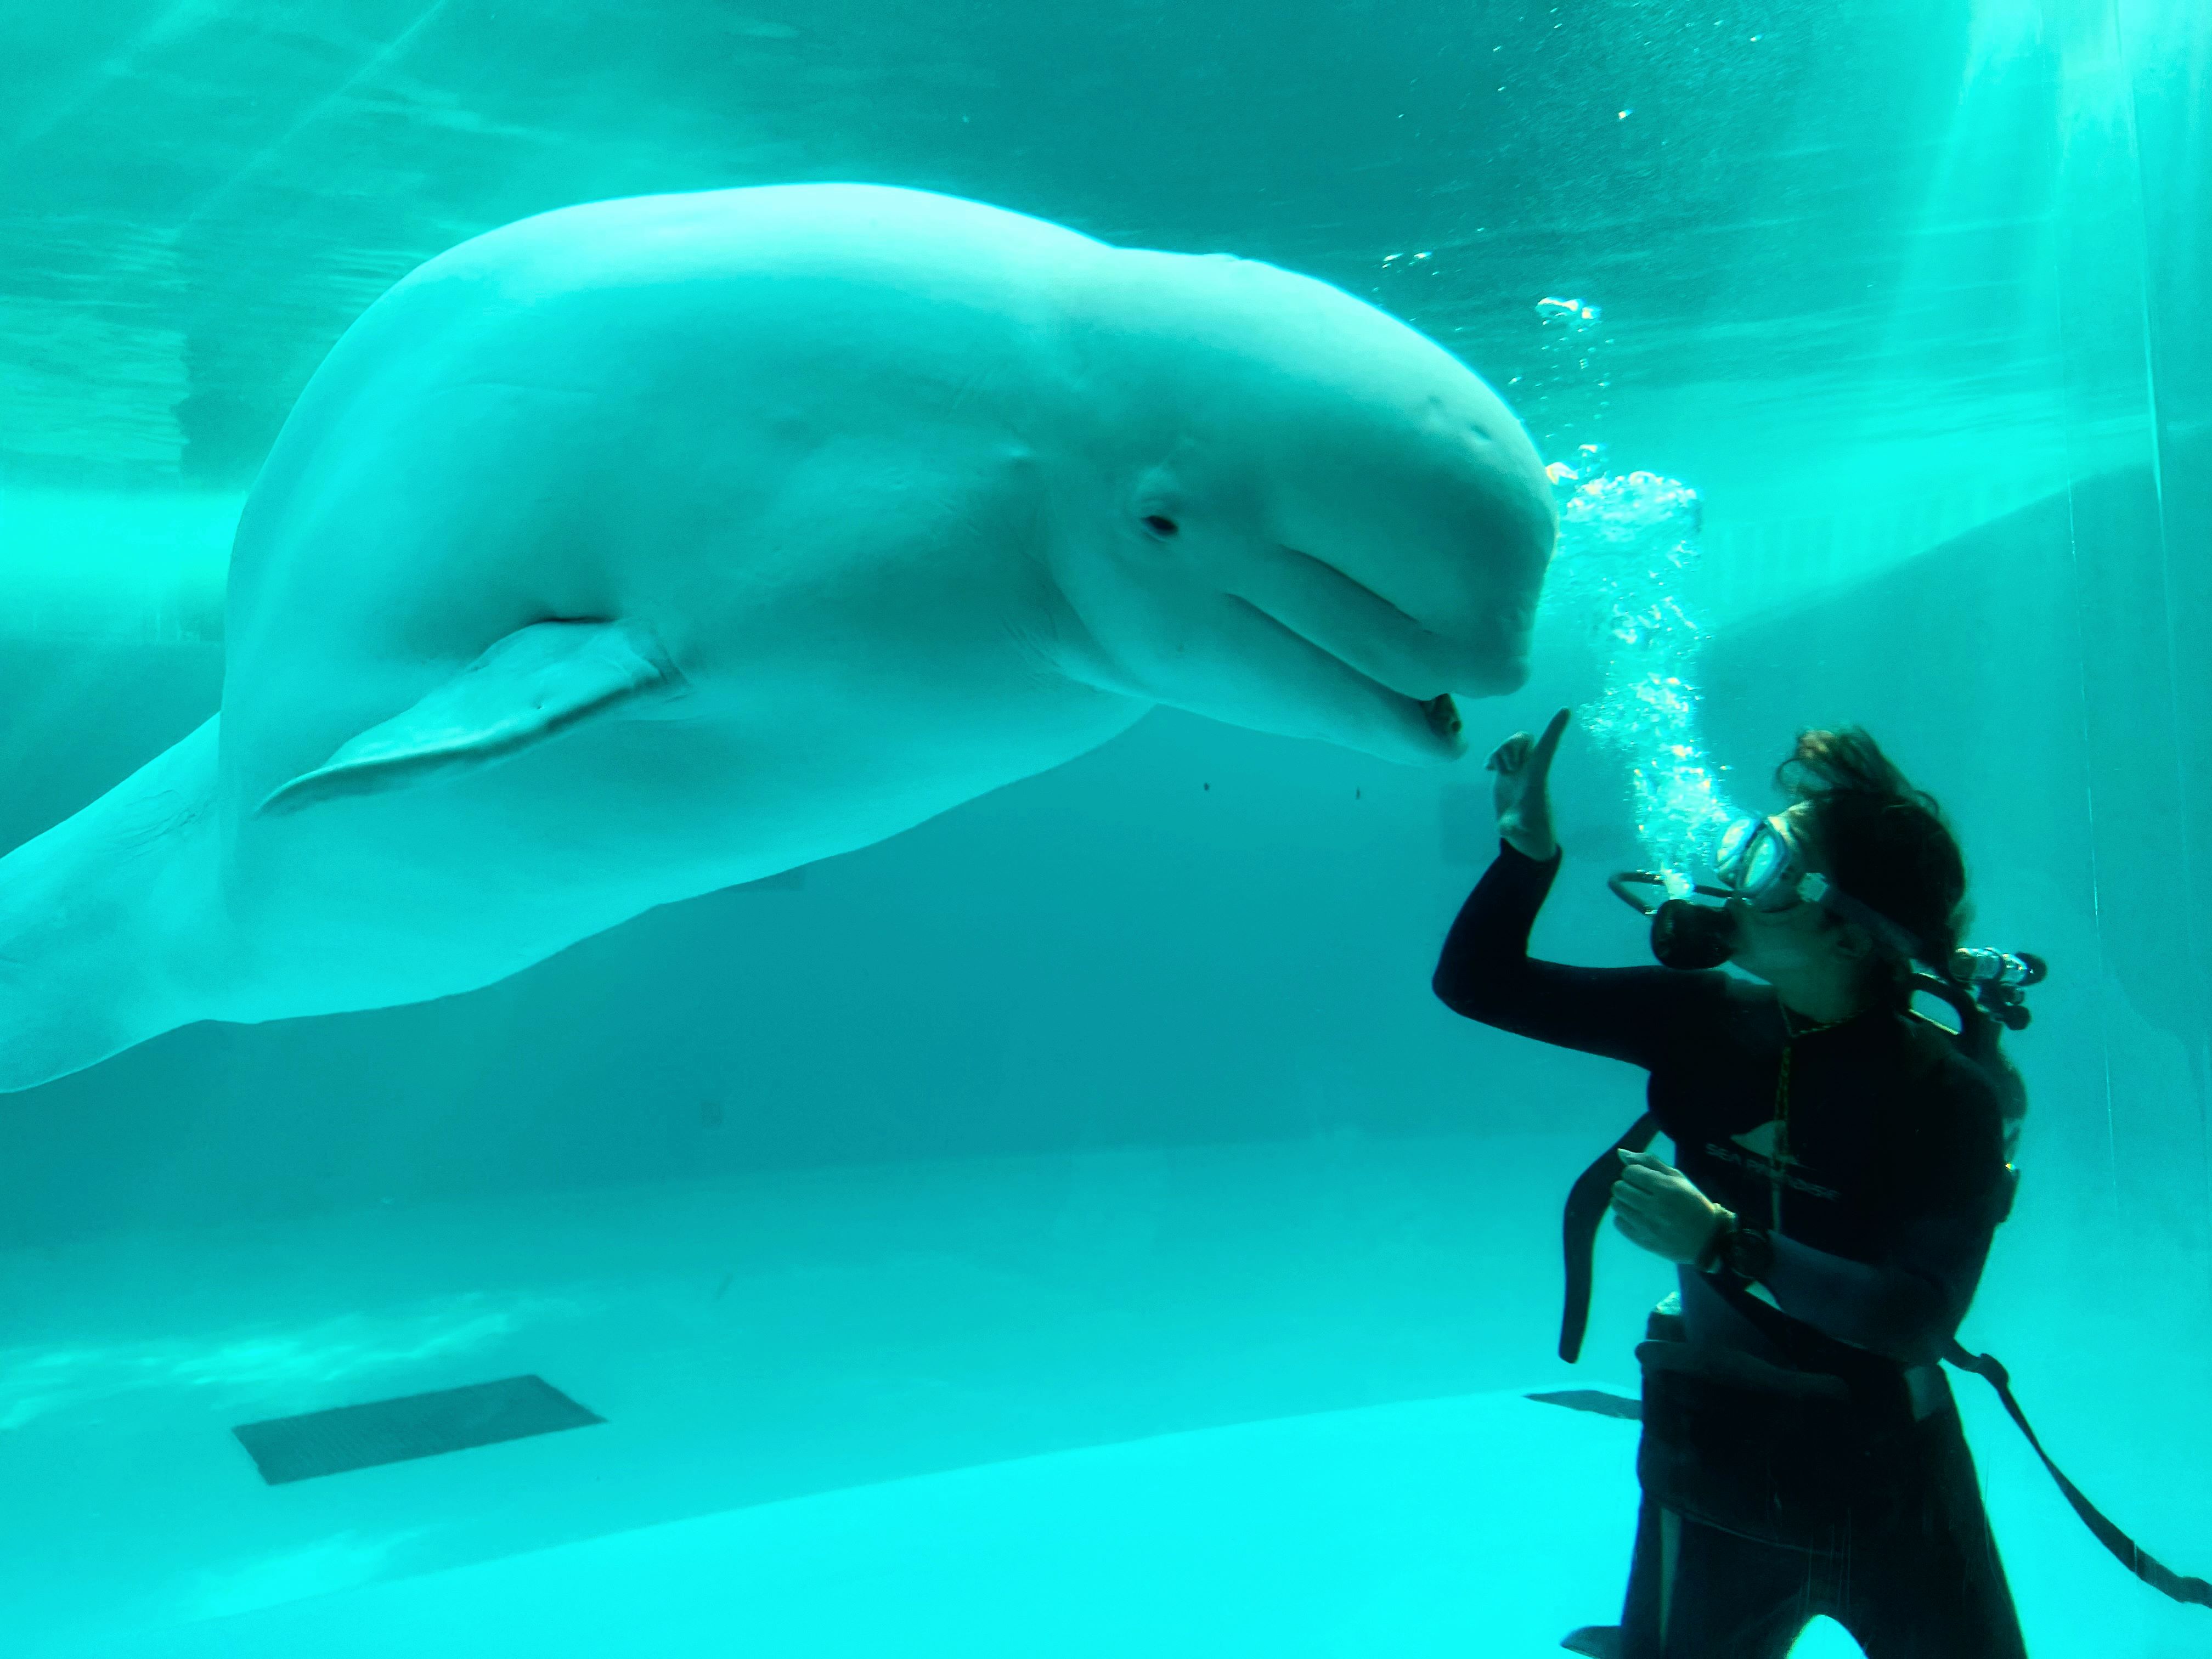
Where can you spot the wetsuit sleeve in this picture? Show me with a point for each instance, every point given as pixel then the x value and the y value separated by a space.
pixel 1950 1163
pixel 1905 1306
pixel 1636 1014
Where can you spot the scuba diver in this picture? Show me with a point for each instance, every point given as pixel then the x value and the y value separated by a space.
pixel 1840 1165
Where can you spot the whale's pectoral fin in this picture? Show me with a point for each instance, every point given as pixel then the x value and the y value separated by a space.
pixel 534 684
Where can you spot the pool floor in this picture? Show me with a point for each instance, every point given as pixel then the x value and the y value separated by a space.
pixel 1217 1401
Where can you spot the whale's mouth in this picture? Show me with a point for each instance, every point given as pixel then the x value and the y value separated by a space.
pixel 1439 712
pixel 1438 716
pixel 1371 632
pixel 1354 706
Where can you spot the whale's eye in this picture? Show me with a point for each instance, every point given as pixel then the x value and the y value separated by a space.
pixel 1161 526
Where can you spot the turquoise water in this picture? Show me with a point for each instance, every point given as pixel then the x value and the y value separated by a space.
pixel 1070 1226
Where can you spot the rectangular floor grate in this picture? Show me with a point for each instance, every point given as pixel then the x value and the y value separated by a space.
pixel 1595 1400
pixel 417 1425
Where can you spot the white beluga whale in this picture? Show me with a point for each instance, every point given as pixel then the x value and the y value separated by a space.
pixel 648 547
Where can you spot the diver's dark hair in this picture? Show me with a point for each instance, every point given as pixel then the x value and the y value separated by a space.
pixel 1888 845
pixel 1883 841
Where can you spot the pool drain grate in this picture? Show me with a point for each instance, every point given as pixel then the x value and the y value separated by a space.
pixel 1595 1400
pixel 287 1448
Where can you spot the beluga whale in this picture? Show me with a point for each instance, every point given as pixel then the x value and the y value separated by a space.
pixel 651 546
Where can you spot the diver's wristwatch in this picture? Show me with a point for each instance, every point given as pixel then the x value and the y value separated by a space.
pixel 1745 1252
pixel 1749 1253
pixel 1714 1257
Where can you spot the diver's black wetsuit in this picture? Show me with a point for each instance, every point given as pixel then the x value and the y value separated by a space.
pixel 1879 1218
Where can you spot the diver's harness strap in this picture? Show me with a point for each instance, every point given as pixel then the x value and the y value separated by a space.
pixel 2131 1555
pixel 1587 1203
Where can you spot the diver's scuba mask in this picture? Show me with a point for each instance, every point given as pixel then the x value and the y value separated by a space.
pixel 1760 864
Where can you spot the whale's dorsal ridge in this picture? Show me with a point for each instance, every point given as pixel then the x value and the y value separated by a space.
pixel 528 688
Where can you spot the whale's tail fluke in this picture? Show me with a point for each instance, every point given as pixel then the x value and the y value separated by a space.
pixel 106 921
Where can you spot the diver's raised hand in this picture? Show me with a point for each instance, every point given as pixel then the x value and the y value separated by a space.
pixel 1523 789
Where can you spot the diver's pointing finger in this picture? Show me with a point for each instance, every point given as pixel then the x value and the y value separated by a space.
pixel 1548 744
